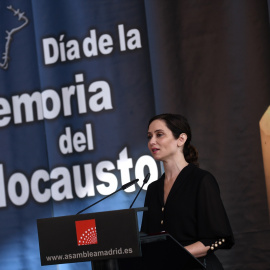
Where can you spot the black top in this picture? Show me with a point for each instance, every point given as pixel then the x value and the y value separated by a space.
pixel 193 211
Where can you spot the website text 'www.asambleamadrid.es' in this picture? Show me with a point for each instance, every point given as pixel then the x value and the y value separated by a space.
pixel 88 254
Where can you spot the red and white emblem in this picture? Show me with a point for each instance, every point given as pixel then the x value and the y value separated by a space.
pixel 86 232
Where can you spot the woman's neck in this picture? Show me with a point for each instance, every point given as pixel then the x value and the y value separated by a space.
pixel 173 168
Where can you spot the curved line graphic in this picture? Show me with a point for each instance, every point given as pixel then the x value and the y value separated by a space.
pixel 20 15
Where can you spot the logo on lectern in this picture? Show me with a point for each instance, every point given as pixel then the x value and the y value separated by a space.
pixel 86 232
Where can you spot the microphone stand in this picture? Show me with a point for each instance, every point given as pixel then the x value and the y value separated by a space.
pixel 123 187
pixel 144 182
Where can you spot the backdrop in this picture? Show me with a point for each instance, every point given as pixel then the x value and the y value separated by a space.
pixel 79 81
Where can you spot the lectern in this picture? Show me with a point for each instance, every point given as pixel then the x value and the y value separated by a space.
pixel 111 241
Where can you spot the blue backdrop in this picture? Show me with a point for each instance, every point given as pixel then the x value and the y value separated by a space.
pixel 76 93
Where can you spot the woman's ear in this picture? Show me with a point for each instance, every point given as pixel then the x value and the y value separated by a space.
pixel 182 139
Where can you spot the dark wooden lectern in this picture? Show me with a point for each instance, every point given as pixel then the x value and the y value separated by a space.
pixel 111 241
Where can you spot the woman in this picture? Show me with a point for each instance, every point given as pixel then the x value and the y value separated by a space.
pixel 185 201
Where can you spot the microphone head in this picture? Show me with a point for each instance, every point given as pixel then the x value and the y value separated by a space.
pixel 130 184
pixel 146 178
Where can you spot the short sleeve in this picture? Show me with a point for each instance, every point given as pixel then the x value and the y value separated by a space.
pixel 214 229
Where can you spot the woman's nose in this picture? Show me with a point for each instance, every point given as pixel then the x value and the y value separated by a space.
pixel 152 141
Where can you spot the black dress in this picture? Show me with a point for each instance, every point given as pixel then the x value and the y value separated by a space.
pixel 193 212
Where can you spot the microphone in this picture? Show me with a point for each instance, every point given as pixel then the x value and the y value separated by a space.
pixel 144 182
pixel 121 188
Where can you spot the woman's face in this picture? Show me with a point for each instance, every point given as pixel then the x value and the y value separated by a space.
pixel 161 141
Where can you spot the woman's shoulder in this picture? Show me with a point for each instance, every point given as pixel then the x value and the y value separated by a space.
pixel 198 171
pixel 204 177
pixel 157 182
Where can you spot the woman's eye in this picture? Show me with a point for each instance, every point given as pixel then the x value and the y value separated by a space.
pixel 159 134
pixel 149 137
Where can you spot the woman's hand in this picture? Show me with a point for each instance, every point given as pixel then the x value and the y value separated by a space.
pixel 197 249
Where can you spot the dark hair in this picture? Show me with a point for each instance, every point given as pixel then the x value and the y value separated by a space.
pixel 178 124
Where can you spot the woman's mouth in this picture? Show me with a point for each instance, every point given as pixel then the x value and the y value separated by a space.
pixel 154 150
